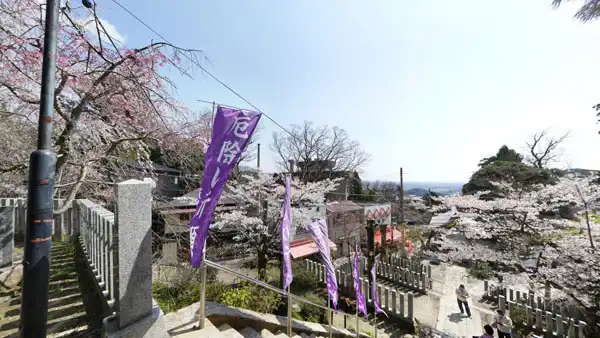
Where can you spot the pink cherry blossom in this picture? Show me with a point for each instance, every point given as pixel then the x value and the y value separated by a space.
pixel 110 100
pixel 529 226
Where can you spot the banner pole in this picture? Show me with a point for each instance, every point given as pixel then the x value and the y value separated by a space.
pixel 330 314
pixel 357 322
pixel 202 310
pixel 203 268
pixel 289 312
pixel 357 330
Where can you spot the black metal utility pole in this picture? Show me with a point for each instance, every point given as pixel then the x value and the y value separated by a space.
pixel 370 249
pixel 401 196
pixel 42 163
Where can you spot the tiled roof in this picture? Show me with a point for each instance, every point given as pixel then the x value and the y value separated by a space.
pixel 307 249
pixel 342 206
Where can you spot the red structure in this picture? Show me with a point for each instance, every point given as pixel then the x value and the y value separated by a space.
pixel 392 235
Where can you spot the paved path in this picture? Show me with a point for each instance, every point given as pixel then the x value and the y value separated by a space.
pixel 449 318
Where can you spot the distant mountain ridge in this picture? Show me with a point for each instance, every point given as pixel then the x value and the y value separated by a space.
pixel 422 188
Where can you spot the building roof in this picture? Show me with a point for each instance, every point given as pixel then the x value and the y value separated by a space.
pixel 150 166
pixel 303 248
pixel 342 206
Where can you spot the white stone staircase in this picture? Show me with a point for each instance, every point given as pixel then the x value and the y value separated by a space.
pixel 230 322
pixel 226 331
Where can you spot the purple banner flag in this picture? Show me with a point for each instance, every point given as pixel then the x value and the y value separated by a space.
pixel 360 297
pixel 286 223
pixel 378 308
pixel 231 134
pixel 318 230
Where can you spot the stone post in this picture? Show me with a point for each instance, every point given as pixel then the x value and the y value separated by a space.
pixel 386 295
pixel 76 218
pixel 571 330
pixel 409 314
pixel 393 301
pixel 7 235
pixel 529 315
pixel 502 303
pixel 539 324
pixel 549 321
pixel 365 289
pixel 559 325
pixel 401 304
pixel 133 215
pixel 581 328
pixel 322 273
pixel 425 280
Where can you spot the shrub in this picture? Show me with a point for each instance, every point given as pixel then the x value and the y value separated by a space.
pixel 213 291
pixel 250 264
pixel 481 270
pixel 173 298
pixel 519 318
pixel 309 312
pixel 251 297
pixel 304 280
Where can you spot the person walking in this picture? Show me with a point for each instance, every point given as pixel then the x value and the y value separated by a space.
pixel 461 297
pixel 503 324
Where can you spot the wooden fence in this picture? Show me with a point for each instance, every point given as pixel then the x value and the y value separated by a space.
pixel 540 314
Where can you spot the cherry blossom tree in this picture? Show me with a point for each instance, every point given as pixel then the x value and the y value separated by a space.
pixel 110 102
pixel 259 216
pixel 530 225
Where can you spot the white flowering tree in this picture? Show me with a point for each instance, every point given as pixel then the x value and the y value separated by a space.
pixel 531 231
pixel 259 215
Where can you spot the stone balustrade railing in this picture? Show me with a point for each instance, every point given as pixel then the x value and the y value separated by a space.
pixel 540 314
pixel 396 303
pixel 400 271
pixel 118 250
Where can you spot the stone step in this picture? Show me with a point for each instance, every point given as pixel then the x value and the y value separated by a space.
pixel 266 334
pixel 249 332
pixel 74 332
pixel 229 332
pixel 189 330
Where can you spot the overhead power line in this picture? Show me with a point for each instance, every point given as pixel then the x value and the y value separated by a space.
pixel 214 77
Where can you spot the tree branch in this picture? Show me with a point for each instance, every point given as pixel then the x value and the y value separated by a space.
pixel 17 95
pixel 74 189
pixel 13 168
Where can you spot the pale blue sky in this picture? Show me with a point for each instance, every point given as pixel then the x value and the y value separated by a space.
pixel 432 86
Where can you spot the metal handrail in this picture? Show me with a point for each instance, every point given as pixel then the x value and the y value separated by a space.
pixel 265 285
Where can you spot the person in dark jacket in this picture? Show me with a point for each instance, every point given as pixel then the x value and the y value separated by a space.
pixel 488 332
